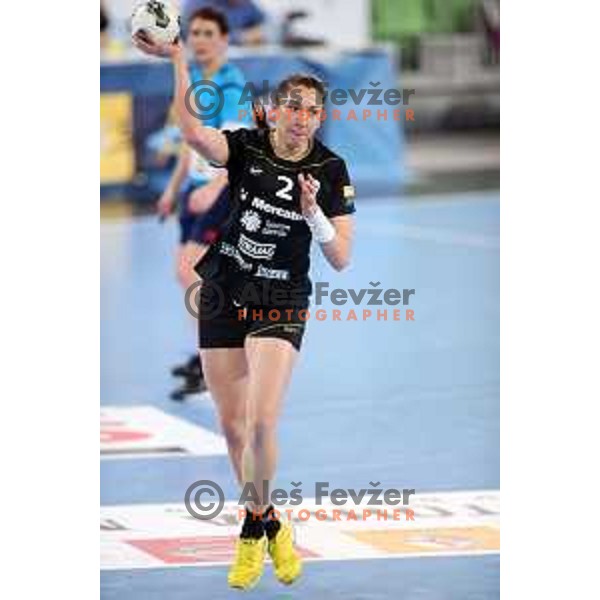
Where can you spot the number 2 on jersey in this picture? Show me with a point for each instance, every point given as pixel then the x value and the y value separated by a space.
pixel 288 184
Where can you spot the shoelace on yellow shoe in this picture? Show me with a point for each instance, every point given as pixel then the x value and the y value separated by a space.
pixel 247 559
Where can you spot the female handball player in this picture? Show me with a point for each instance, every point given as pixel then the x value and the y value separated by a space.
pixel 286 189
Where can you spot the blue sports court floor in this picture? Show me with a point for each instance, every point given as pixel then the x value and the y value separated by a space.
pixel 408 404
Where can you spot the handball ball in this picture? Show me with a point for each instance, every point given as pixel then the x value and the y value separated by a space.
pixel 158 20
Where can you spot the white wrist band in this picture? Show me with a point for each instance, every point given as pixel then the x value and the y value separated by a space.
pixel 322 229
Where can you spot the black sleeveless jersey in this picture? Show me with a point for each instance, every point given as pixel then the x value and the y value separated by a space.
pixel 266 239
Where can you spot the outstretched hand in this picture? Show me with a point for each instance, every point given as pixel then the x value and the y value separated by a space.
pixel 144 43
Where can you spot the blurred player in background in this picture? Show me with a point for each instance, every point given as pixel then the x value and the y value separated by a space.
pixel 199 189
pixel 245 18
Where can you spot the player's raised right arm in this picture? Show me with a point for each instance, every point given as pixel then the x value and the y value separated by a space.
pixel 209 142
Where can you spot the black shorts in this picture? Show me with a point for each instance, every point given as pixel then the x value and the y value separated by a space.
pixel 224 324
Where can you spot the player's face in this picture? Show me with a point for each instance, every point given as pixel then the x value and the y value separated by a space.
pixel 206 41
pixel 299 117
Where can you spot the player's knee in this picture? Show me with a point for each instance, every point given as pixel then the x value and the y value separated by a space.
pixel 235 433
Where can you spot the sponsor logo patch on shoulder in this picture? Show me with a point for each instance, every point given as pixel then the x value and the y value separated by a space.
pixel 348 191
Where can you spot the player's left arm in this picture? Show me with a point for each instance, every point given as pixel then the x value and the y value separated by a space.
pixel 339 250
pixel 334 233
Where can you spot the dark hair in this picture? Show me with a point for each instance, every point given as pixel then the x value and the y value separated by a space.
pixel 297 80
pixel 260 119
pixel 211 14
pixel 289 83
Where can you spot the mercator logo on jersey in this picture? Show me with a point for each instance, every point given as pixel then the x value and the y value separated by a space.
pixel 255 249
pixel 284 213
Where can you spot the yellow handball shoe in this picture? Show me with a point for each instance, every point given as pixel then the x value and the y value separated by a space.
pixel 247 567
pixel 286 560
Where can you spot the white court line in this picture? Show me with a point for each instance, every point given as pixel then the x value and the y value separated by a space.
pixel 149 536
pixel 147 431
